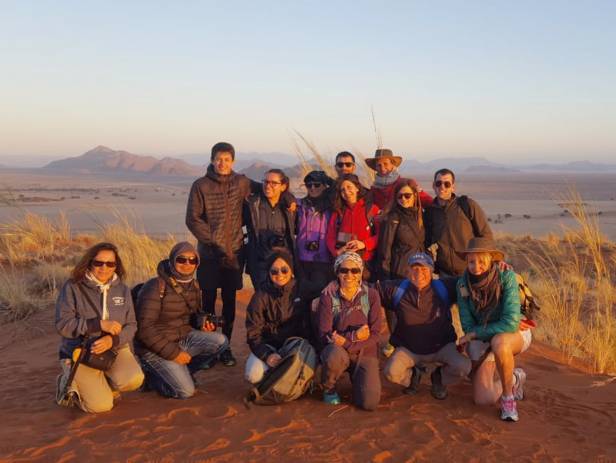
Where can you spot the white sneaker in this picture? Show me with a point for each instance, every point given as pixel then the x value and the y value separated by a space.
pixel 509 410
pixel 518 386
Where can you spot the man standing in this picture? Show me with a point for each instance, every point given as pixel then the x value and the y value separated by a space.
pixel 345 163
pixel 451 221
pixel 214 216
pixel 424 332
pixel 271 225
pixel 387 178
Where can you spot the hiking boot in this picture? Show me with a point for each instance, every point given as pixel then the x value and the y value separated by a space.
pixel 227 358
pixel 518 386
pixel 509 410
pixel 331 397
pixel 438 390
pixel 413 388
pixel 388 350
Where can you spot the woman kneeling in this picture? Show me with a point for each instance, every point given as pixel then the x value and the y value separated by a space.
pixel 94 314
pixel 489 304
pixel 349 323
pixel 174 339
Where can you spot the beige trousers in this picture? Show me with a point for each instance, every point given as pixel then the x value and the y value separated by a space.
pixel 95 388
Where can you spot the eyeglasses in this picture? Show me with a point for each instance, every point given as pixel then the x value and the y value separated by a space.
pixel 100 263
pixel 341 164
pixel 313 185
pixel 276 271
pixel 184 260
pixel 405 195
pixel 271 182
pixel 353 270
pixel 445 184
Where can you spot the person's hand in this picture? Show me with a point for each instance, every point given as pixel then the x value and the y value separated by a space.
pixel 468 337
pixel 111 326
pixel 101 345
pixel 183 358
pixel 208 326
pixel 362 333
pixel 292 207
pixel 355 245
pixel 273 360
pixel 337 339
pixel 502 266
pixel 331 288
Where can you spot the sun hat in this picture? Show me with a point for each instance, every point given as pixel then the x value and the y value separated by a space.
pixel 383 153
pixel 479 244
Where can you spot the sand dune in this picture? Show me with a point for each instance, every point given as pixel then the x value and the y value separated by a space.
pixel 567 416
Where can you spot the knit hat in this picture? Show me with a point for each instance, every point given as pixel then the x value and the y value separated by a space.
pixel 352 256
pixel 319 176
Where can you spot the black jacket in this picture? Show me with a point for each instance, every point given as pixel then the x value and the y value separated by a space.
pixel 400 237
pixel 163 323
pixel 276 314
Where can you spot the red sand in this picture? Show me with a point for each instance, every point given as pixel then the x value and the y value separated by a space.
pixel 567 416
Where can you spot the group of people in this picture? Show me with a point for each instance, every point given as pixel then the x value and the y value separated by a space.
pixel 323 268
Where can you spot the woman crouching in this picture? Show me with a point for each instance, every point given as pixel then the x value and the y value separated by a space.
pixel 349 323
pixel 95 316
pixel 174 340
pixel 489 304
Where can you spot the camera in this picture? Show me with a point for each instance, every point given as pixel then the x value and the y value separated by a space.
pixel 216 320
pixel 312 246
pixel 276 241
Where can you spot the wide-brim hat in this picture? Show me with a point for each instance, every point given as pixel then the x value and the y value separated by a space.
pixel 382 154
pixel 484 245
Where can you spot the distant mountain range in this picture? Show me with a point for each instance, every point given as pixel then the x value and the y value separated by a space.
pixel 105 160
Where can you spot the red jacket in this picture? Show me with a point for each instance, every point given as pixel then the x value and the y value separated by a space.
pixel 354 223
pixel 382 196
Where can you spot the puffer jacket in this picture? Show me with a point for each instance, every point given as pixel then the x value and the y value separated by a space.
pixel 450 228
pixel 274 315
pixel 214 215
pixel 400 237
pixel 79 310
pixel 163 323
pixel 503 319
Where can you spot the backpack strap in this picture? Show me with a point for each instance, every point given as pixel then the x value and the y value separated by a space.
pixel 162 288
pixel 466 208
pixel 464 292
pixel 365 302
pixel 441 291
pixel 399 292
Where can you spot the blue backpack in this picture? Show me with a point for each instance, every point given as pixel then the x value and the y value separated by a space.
pixel 437 285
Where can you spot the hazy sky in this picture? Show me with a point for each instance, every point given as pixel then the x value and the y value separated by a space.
pixel 507 80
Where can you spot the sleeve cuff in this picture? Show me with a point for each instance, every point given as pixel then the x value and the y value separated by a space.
pixel 115 339
pixel 93 325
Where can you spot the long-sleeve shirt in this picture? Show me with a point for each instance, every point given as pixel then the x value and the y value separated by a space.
pixel 354 224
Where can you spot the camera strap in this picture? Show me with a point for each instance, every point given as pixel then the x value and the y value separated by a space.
pixel 180 292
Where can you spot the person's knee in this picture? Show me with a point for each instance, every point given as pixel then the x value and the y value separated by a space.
pixel 184 390
pixel 131 383
pixel 461 367
pixel 393 373
pixel 500 344
pixel 482 399
pixel 101 404
pixel 254 373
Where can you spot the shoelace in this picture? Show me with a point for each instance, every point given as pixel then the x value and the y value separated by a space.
pixel 508 404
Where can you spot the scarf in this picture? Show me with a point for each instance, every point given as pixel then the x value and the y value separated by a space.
pixel 104 289
pixel 485 291
pixel 382 181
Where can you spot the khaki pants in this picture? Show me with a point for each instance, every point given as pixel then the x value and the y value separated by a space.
pixel 95 387
pixel 455 365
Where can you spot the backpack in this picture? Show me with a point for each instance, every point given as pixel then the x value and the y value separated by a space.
pixel 134 293
pixel 528 304
pixel 437 285
pixel 365 303
pixel 288 380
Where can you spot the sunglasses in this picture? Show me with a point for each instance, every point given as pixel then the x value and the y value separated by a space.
pixel 313 185
pixel 100 263
pixel 440 183
pixel 185 260
pixel 341 164
pixel 353 270
pixel 276 271
pixel 271 182
pixel 405 195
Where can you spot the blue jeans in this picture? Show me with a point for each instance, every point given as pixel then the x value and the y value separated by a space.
pixel 171 379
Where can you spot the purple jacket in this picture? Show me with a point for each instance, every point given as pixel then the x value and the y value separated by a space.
pixel 350 318
pixel 312 227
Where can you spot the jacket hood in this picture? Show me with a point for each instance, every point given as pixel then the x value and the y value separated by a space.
pixel 211 173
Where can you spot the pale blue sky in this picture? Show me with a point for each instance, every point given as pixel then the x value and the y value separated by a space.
pixel 506 80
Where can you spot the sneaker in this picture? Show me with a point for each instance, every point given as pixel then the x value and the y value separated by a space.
pixel 388 350
pixel 413 388
pixel 518 386
pixel 331 397
pixel 438 390
pixel 509 410
pixel 227 358
pixel 62 398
